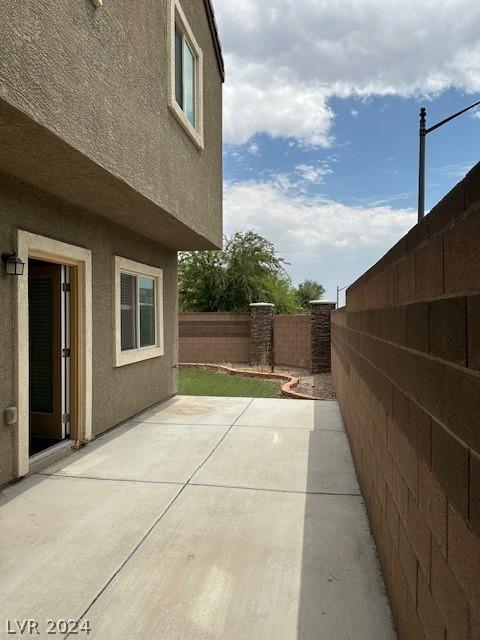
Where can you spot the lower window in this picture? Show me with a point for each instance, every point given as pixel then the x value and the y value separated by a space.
pixel 139 312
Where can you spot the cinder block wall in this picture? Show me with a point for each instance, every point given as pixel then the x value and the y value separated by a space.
pixel 214 337
pixel 291 340
pixel 406 363
pixel 226 337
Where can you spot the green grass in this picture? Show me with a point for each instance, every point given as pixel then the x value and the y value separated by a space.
pixel 204 382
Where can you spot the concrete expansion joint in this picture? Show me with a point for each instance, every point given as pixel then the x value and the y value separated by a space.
pixel 264 489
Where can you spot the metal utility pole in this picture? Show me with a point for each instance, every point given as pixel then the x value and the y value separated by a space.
pixel 421 163
pixel 421 155
pixel 339 288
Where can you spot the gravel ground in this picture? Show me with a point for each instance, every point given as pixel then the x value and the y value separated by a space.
pixel 318 386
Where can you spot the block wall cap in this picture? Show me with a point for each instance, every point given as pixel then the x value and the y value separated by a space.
pixel 261 304
pixel 323 302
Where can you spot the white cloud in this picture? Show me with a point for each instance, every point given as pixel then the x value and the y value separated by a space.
pixel 295 111
pixel 311 174
pixel 286 59
pixel 320 237
pixel 354 113
pixel 455 171
pixel 254 149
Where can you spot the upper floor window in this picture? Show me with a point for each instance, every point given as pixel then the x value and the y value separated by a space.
pixel 186 98
pixel 185 75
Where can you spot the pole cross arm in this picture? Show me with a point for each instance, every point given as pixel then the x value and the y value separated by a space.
pixel 455 115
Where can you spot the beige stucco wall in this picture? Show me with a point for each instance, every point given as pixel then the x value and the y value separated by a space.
pixel 98 79
pixel 118 393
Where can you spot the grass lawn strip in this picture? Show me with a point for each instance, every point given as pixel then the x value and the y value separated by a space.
pixel 203 382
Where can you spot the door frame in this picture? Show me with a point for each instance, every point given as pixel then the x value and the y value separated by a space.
pixel 30 245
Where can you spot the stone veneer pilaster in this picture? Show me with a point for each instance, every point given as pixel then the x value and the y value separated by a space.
pixel 261 345
pixel 320 335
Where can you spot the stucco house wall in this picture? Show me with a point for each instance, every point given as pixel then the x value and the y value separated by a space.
pixel 84 104
pixel 118 392
pixel 93 155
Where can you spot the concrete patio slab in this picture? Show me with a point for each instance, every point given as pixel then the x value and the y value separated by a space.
pixel 292 414
pixel 141 559
pixel 62 538
pixel 143 451
pixel 282 459
pixel 197 410
pixel 260 565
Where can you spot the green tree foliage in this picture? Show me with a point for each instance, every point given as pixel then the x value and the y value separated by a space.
pixel 247 270
pixel 283 295
pixel 201 280
pixel 309 290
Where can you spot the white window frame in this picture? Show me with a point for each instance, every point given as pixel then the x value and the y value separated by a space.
pixel 177 17
pixel 122 358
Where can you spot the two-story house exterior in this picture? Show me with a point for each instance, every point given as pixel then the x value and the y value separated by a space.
pixel 110 162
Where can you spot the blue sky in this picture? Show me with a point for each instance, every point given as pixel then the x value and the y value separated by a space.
pixel 321 123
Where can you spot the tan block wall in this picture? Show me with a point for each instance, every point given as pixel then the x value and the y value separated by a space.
pixel 406 363
pixel 225 337
pixel 214 337
pixel 291 340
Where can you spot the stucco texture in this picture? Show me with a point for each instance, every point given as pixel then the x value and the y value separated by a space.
pixel 118 393
pixel 84 112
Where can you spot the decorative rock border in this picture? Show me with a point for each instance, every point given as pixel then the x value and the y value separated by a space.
pixel 287 387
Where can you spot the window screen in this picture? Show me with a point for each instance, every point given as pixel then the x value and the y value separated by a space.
pixel 146 288
pixel 128 307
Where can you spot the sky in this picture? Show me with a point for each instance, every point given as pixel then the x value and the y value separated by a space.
pixel 321 106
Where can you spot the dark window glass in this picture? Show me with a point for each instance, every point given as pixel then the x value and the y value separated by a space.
pixel 178 66
pixel 40 300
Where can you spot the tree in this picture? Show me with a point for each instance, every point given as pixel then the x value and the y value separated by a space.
pixel 201 280
pixel 248 269
pixel 309 290
pixel 283 295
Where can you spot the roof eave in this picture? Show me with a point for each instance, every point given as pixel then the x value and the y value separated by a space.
pixel 216 38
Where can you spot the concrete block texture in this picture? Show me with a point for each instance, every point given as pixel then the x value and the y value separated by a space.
pixel 409 358
pixel 291 340
pixel 264 338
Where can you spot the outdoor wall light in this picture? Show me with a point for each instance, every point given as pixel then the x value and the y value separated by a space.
pixel 12 264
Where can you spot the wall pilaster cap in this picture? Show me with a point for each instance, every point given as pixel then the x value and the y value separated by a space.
pixel 323 302
pixel 261 304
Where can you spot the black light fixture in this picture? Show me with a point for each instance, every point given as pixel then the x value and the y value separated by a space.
pixel 12 264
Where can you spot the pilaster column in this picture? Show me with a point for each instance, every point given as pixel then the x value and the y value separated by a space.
pixel 320 335
pixel 261 343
